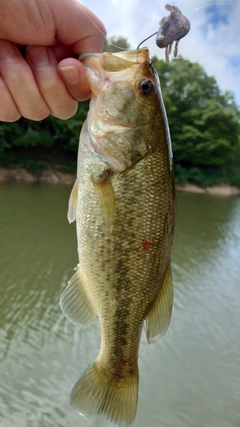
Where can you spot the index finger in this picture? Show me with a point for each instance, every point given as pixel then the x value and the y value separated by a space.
pixel 79 27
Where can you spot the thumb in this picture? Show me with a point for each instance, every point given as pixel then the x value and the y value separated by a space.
pixel 73 74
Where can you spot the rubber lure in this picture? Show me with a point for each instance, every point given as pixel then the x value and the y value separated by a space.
pixel 172 28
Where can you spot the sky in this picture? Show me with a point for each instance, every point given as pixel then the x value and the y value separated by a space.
pixel 213 40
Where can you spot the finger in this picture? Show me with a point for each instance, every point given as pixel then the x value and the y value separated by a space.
pixel 19 80
pixel 74 76
pixel 62 51
pixel 8 109
pixel 53 90
pixel 86 33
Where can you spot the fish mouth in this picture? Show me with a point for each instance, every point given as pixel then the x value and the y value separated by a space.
pixel 107 67
pixel 115 120
pixel 133 56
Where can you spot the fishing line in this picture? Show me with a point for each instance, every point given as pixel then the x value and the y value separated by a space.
pixel 101 32
pixel 205 55
pixel 191 13
pixel 213 56
pixel 213 4
pixel 233 53
pixel 90 19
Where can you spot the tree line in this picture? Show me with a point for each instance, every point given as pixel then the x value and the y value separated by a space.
pixel 204 125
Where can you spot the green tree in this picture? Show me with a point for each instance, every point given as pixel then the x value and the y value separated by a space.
pixel 204 123
pixel 34 145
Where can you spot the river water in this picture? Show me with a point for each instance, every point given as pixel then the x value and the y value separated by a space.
pixel 190 378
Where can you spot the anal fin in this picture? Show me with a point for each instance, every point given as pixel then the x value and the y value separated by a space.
pixel 158 318
pixel 75 302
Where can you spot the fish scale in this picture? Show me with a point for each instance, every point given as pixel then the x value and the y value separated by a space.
pixel 125 222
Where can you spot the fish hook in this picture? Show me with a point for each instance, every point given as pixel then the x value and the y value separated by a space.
pixel 172 28
pixel 147 39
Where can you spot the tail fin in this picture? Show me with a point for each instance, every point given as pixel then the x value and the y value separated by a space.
pixel 97 394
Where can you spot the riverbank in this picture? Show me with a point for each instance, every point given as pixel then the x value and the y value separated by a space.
pixel 218 190
pixel 46 176
pixel 52 176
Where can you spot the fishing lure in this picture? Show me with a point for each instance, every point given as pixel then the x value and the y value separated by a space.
pixel 172 28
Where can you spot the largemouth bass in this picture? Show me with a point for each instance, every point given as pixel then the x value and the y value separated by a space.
pixel 124 205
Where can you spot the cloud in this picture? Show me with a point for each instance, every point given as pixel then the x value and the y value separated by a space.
pixel 213 41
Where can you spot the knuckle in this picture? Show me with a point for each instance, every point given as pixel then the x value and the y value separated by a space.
pixel 18 78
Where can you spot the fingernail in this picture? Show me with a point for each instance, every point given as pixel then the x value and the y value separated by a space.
pixel 38 56
pixel 70 74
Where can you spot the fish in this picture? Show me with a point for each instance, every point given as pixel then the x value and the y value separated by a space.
pixel 172 28
pixel 123 202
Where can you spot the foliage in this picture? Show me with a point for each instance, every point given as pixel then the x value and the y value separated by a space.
pixel 35 145
pixel 204 125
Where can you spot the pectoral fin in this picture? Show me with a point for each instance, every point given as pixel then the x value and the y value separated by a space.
pixel 105 193
pixel 75 302
pixel 158 318
pixel 72 204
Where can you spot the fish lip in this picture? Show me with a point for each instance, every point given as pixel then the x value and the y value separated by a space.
pixel 135 56
pixel 85 55
pixel 104 67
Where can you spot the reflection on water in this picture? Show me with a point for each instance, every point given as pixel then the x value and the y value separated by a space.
pixel 189 378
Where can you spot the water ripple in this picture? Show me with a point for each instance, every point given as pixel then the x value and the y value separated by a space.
pixel 189 378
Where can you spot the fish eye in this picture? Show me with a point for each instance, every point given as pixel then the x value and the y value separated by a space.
pixel 146 87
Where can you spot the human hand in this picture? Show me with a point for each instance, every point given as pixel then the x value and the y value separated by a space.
pixel 46 79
